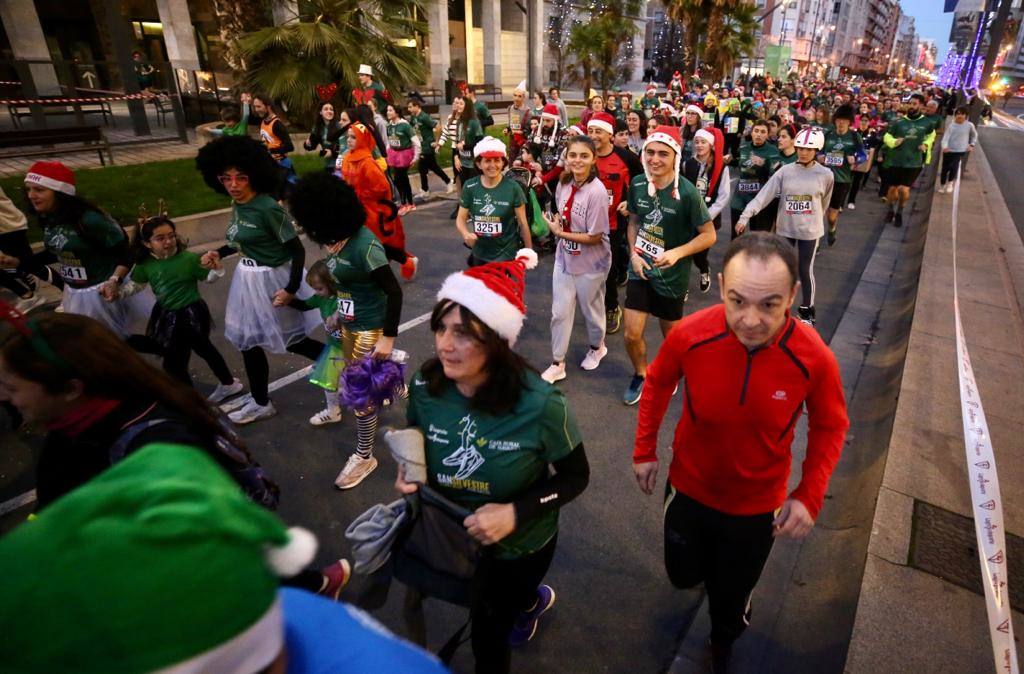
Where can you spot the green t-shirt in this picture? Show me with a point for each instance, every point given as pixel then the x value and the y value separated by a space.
pixel 260 228
pixel 89 257
pixel 400 135
pixel 469 134
pixel 327 306
pixel 783 159
pixel 914 133
pixel 665 223
pixel 482 111
pixel 837 148
pixel 361 301
pixel 475 458
pixel 492 217
pixel 424 125
pixel 751 176
pixel 174 280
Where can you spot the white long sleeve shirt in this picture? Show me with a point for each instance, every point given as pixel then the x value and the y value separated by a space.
pixel 804 193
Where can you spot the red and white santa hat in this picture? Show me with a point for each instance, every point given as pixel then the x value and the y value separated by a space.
pixel 699 111
pixel 52 175
pixel 550 111
pixel 651 89
pixel 489 146
pixel 669 135
pixel 603 121
pixel 494 292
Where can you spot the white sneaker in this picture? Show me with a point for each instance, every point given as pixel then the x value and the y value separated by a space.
pixel 554 373
pixel 225 391
pixel 326 416
pixel 593 358
pixel 355 471
pixel 252 411
pixel 852 207
pixel 450 188
pixel 27 304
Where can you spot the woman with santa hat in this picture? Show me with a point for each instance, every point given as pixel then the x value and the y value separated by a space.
pixel 708 172
pixel 496 430
pixel 91 250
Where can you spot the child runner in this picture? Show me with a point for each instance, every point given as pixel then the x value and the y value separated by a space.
pixel 805 189
pixel 369 297
pixel 181 320
pixel 403 152
pixel 842 146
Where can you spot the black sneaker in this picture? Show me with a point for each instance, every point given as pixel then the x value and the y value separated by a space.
pixel 889 215
pixel 720 655
pixel 613 320
pixel 631 396
pixel 832 237
pixel 705 281
pixel 899 220
pixel 806 314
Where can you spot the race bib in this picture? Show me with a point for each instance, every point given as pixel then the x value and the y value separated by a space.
pixel 834 159
pixel 702 185
pixel 514 127
pixel 395 142
pixel 611 198
pixel 573 247
pixel 487 228
pixel 734 125
pixel 72 273
pixel 707 121
pixel 646 246
pixel 799 204
pixel 748 186
pixel 347 308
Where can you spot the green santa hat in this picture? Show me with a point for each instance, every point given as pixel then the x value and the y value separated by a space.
pixel 159 564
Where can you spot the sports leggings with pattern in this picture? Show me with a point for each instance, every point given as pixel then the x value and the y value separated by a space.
pixel 806 251
pixel 356 344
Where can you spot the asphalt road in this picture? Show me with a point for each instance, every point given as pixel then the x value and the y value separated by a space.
pixel 1004 149
pixel 616 611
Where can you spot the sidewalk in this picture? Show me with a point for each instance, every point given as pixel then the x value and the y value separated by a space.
pixel 915 613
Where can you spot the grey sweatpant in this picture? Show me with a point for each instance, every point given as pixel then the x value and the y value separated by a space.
pixel 566 290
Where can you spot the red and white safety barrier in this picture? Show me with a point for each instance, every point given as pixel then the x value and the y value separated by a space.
pixel 986 499
pixel 32 101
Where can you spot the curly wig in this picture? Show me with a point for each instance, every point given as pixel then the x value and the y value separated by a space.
pixel 326 208
pixel 245 155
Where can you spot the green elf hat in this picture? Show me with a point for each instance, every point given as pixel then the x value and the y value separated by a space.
pixel 159 564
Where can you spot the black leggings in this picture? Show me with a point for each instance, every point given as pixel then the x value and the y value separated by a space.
pixel 428 163
pixel 859 178
pixel 761 222
pixel 507 588
pixel 401 176
pixel 257 369
pixel 950 166
pixel 178 354
pixel 806 251
pixel 620 265
pixel 725 552
pixel 16 245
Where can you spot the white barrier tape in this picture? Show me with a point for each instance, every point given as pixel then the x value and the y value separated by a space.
pixel 985 494
pixel 68 101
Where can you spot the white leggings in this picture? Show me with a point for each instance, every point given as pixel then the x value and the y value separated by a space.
pixel 806 252
pixel 566 291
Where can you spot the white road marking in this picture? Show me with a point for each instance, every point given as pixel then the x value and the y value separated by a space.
pixel 17 502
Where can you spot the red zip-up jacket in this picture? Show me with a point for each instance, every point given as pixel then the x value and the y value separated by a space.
pixel 731 449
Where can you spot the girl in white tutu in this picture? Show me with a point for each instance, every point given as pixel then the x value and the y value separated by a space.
pixel 270 272
pixel 90 248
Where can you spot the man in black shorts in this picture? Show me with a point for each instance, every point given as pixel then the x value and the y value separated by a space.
pixel 908 142
pixel 842 147
pixel 668 222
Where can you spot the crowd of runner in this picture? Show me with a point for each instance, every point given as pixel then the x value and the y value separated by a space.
pixel 625 201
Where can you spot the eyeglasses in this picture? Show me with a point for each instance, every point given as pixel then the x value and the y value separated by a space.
pixel 238 179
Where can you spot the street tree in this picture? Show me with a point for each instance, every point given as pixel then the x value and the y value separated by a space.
pixel 602 46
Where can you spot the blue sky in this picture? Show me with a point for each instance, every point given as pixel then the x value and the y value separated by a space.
pixel 930 22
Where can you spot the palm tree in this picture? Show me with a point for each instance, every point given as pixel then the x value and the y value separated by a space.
pixel 582 41
pixel 236 18
pixel 692 15
pixel 735 38
pixel 327 45
pixel 602 42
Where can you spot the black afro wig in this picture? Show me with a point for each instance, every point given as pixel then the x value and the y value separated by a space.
pixel 326 208
pixel 245 155
pixel 843 112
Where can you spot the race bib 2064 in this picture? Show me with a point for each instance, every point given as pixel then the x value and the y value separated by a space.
pixel 799 204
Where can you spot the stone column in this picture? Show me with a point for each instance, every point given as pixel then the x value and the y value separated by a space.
pixel 179 34
pixel 639 40
pixel 285 11
pixel 490 20
pixel 25 33
pixel 440 50
pixel 535 41
pixel 470 43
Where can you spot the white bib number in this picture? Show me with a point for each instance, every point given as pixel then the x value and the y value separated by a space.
pixel 611 198
pixel 648 247
pixel 748 186
pixel 573 247
pixel 347 309
pixel 396 143
pixel 798 205
pixel 488 229
pixel 834 159
pixel 72 273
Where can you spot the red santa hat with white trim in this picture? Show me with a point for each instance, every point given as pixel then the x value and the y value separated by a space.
pixel 549 111
pixel 668 135
pixel 52 175
pixel 603 121
pixel 494 292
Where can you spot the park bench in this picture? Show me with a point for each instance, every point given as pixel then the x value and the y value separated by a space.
pixel 38 142
pixel 20 110
pixel 486 90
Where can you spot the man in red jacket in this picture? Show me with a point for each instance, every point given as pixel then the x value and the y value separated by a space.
pixel 748 369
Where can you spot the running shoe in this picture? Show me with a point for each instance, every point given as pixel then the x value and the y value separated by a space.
pixel 336 577
pixel 632 394
pixel 705 281
pixel 355 471
pixel 593 358
pixel 899 220
pixel 27 304
pixel 326 416
pixel 613 321
pixel 449 187
pixel 806 315
pixel 889 215
pixel 526 625
pixel 720 656
pixel 852 207
pixel 403 209
pixel 410 267
pixel 225 391
pixel 252 411
pixel 555 372
pixel 832 237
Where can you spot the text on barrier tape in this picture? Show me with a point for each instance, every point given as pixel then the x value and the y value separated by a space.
pixel 986 500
